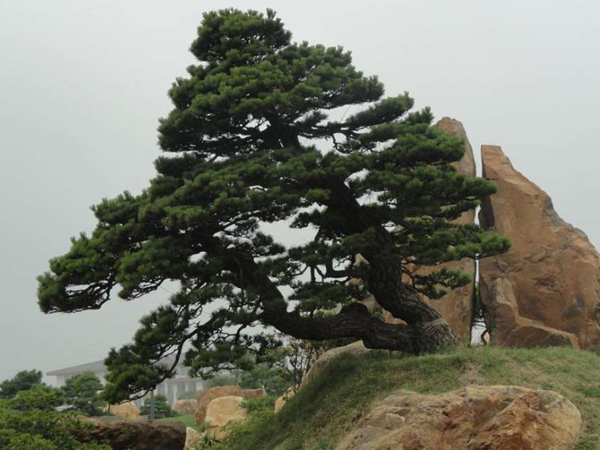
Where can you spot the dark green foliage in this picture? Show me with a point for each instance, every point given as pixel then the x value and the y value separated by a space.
pixel 224 379
pixel 210 442
pixel 29 422
pixel 282 367
pixel 22 381
pixel 82 393
pixel 241 152
pixel 162 409
pixel 259 410
pixel 38 398
pixel 264 376
pixel 259 376
pixel 295 359
pixel 259 404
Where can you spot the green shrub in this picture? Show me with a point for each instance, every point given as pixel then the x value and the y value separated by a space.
pixel 225 379
pixel 162 409
pixel 29 422
pixel 259 404
pixel 22 381
pixel 82 394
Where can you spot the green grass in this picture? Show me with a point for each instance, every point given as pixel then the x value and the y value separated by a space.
pixel 328 407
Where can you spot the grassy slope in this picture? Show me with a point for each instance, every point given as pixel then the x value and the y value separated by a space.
pixel 330 405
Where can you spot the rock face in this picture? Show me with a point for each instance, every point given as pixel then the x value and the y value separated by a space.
pixel 467 164
pixel 208 395
pixel 356 348
pixel 125 410
pixel 185 407
pixel 546 289
pixel 222 411
pixel 289 393
pixel 192 439
pixel 134 435
pixel 472 418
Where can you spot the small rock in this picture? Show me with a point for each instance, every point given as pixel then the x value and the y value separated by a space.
pixel 356 348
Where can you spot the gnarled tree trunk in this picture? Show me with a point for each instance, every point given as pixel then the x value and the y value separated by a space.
pixel 425 330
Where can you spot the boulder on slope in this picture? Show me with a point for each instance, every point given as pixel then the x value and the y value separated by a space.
pixel 472 418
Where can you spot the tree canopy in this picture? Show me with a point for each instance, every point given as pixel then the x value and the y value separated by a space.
pixel 268 131
pixel 29 421
pixel 82 393
pixel 22 381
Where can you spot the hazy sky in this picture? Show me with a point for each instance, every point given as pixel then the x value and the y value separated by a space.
pixel 83 83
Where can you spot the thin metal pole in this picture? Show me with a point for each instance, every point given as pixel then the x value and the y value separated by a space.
pixel 152 409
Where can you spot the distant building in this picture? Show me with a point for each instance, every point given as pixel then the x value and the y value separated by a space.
pixel 173 388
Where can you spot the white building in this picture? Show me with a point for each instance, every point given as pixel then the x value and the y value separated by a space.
pixel 172 388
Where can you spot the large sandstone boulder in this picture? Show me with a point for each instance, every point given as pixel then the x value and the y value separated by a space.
pixel 546 289
pixel 472 418
pixel 356 348
pixel 124 410
pixel 185 407
pixel 133 434
pixel 222 411
pixel 208 395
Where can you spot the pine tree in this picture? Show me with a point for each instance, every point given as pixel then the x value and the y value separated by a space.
pixel 30 421
pixel 22 381
pixel 82 393
pixel 162 409
pixel 253 139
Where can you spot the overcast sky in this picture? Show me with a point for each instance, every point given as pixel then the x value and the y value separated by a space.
pixel 83 83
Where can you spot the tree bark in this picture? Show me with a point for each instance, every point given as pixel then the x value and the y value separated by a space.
pixel 430 331
pixel 425 330
pixel 353 321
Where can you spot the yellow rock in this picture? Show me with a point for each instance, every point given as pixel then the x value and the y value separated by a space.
pixel 125 410
pixel 222 411
pixel 289 393
pixel 546 289
pixel 472 418
pixel 206 396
